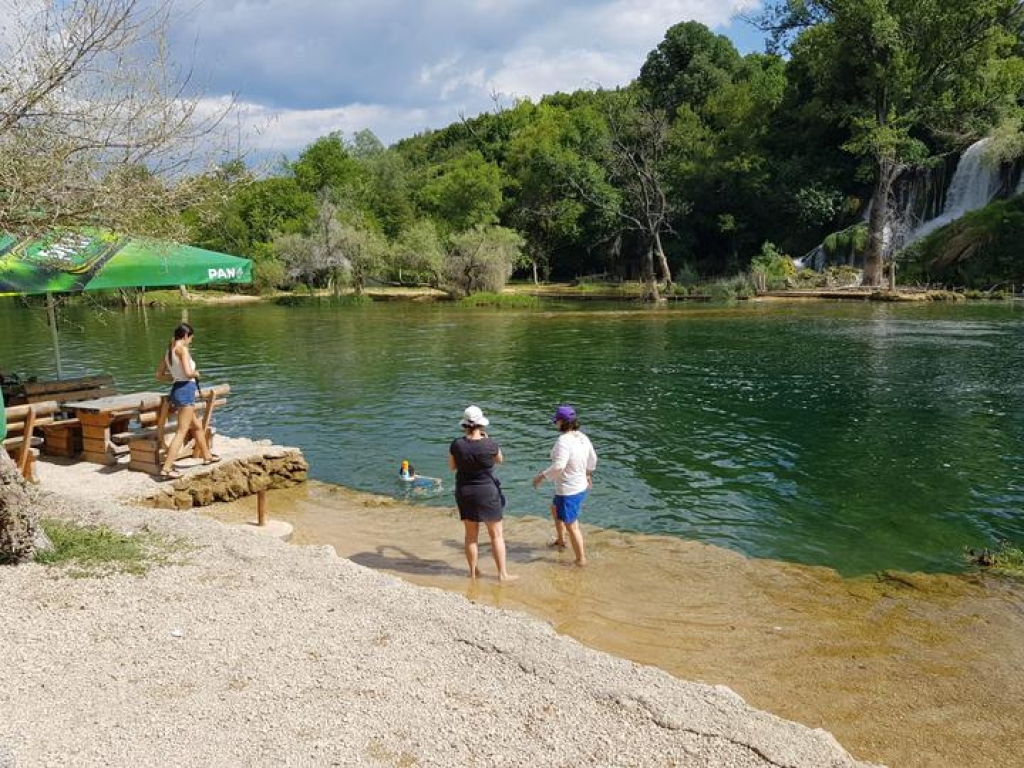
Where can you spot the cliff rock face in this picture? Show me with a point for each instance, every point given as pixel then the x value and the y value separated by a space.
pixel 234 479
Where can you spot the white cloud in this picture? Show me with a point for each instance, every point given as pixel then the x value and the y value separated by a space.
pixel 529 73
pixel 397 67
pixel 284 131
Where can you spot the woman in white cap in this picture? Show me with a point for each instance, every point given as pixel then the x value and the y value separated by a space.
pixel 572 466
pixel 477 491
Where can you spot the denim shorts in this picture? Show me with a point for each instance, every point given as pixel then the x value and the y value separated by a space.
pixel 184 393
pixel 567 508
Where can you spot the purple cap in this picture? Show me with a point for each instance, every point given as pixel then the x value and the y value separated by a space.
pixel 565 413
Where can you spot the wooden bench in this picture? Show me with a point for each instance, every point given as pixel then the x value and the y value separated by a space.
pixel 21 443
pixel 154 429
pixel 63 437
pixel 60 390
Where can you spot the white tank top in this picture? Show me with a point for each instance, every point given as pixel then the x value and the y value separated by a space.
pixel 178 368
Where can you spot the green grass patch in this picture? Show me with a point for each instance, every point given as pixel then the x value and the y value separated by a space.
pixel 1006 558
pixel 504 300
pixel 97 551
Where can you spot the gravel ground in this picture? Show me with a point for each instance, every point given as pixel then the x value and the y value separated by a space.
pixel 241 650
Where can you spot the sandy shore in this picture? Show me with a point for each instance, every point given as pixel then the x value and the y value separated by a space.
pixel 243 650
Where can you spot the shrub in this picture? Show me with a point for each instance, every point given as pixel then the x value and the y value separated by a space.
pixel 481 259
pixel 771 268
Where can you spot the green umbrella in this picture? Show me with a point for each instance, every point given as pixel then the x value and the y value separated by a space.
pixel 71 261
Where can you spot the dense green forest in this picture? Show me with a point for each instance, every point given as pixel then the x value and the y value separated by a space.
pixel 709 164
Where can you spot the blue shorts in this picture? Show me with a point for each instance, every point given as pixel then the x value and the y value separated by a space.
pixel 567 508
pixel 184 393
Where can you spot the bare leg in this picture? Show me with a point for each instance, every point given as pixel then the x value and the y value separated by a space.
pixel 472 548
pixel 559 529
pixel 199 435
pixel 576 539
pixel 186 415
pixel 494 530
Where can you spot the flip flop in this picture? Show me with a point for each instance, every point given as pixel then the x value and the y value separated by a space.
pixel 214 458
pixel 171 475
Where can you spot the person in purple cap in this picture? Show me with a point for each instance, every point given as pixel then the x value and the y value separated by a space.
pixel 573 462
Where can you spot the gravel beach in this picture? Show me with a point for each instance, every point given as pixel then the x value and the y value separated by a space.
pixel 241 650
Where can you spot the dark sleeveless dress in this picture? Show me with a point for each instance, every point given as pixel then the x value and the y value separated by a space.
pixel 477 491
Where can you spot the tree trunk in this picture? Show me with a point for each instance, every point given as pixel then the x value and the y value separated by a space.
pixel 19 528
pixel 666 273
pixel 650 284
pixel 873 255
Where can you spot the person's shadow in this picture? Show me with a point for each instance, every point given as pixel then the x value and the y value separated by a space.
pixel 388 557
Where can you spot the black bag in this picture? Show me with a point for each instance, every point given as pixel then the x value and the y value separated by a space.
pixel 501 494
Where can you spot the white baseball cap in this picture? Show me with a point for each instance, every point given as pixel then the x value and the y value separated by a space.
pixel 473 417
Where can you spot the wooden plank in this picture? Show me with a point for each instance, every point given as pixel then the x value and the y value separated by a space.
pixel 67 385
pixel 94 419
pixel 62 441
pixel 94 445
pixel 76 394
pixel 149 454
pixel 151 468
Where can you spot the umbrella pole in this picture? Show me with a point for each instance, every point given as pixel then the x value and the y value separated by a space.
pixel 51 316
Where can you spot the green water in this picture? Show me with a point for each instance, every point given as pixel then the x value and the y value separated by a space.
pixel 859 436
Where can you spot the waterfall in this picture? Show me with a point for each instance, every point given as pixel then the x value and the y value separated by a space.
pixel 974 184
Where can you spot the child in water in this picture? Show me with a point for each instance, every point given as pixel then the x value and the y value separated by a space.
pixel 418 483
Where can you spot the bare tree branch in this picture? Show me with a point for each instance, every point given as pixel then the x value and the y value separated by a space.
pixel 97 124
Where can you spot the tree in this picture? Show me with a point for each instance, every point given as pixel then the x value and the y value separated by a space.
pixel 463 193
pixel 900 73
pixel 637 140
pixel 481 259
pixel 542 157
pixel 88 97
pixel 688 67
pixel 418 249
pixel 326 167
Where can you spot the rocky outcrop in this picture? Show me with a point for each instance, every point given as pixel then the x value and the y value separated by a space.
pixel 20 534
pixel 234 478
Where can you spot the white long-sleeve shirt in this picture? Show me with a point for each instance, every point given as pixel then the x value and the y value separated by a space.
pixel 572 459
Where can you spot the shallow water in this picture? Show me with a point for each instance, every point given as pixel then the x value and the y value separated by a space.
pixel 909 669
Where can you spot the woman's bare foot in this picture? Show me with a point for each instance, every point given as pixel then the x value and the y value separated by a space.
pixel 556 543
pixel 507 577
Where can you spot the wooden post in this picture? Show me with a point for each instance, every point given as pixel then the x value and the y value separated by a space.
pixel 261 508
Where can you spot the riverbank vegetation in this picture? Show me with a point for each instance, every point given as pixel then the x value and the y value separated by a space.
pixel 1006 558
pixel 703 176
pixel 709 167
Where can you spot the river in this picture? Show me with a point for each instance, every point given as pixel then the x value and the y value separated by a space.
pixel 783 496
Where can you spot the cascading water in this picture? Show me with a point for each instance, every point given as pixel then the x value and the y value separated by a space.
pixel 975 183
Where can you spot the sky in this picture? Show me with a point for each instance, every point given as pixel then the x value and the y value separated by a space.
pixel 300 69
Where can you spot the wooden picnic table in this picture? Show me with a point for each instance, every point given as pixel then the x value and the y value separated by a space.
pixel 103 415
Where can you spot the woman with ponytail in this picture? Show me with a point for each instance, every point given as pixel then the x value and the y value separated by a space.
pixel 177 366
